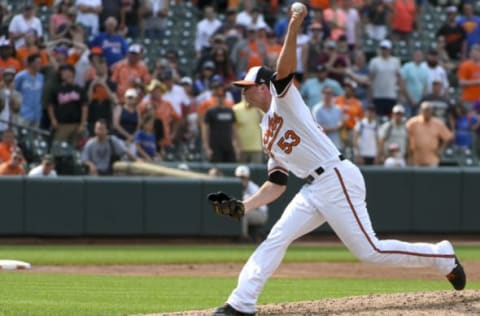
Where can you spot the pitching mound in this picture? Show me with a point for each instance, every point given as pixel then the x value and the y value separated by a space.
pixel 438 303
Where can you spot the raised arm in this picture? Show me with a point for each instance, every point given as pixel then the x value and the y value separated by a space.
pixel 287 60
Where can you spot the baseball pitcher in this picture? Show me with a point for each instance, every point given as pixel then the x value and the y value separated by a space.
pixel 334 191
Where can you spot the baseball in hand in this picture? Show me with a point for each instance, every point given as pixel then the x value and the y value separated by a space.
pixel 298 7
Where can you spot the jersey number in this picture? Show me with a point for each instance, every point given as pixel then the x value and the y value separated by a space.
pixel 288 141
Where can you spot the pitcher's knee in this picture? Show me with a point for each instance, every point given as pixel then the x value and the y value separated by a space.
pixel 369 256
pixel 277 240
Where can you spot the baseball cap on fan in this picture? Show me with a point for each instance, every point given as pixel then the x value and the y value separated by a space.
pixel 386 44
pixel 135 48
pixel 242 171
pixel 451 9
pixel 398 109
pixel 255 76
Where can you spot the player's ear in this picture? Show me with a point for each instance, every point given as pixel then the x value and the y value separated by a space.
pixel 263 88
pixel 266 89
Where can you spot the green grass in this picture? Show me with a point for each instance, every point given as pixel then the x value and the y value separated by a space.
pixel 79 255
pixel 30 293
pixel 47 294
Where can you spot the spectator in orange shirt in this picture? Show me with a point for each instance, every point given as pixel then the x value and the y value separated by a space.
pixel 469 78
pixel 427 137
pixel 166 118
pixel 319 4
pixel 31 47
pixel 256 47
pixel 352 112
pixel 47 3
pixel 96 58
pixel 403 18
pixel 131 72
pixel 7 145
pixel 13 166
pixel 6 56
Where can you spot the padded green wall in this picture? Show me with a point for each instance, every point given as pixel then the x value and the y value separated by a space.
pixel 411 200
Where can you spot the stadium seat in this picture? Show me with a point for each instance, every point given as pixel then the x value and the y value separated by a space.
pixel 466 157
pixel 449 157
pixel 67 159
pixel 167 34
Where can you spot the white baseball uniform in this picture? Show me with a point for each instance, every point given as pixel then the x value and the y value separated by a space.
pixel 296 143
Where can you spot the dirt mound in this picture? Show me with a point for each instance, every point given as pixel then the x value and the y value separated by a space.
pixel 438 303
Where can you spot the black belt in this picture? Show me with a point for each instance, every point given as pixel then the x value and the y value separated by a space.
pixel 319 171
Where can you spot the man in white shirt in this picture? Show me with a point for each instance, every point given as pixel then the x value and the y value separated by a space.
pixel 175 94
pixel 366 140
pixel 23 22
pixel 353 27
pixel 386 80
pixel 205 29
pixel 250 16
pixel 394 132
pixel 88 15
pixel 435 72
pixel 256 218
pixel 46 169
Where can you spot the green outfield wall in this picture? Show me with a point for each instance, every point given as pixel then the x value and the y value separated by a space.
pixel 412 200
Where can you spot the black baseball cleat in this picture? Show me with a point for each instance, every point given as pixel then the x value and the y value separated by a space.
pixel 227 310
pixel 457 276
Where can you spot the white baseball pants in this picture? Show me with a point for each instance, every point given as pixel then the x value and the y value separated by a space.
pixel 338 197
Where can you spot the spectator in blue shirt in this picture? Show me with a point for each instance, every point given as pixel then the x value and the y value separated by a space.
pixel 280 27
pixel 416 80
pixel 145 139
pixel 312 88
pixel 329 116
pixel 29 83
pixel 114 46
pixel 463 127
pixel 471 24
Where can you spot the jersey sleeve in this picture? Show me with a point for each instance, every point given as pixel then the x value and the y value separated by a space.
pixel 288 98
pixel 277 173
pixel 282 85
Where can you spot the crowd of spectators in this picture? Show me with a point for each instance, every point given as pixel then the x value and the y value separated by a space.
pixel 83 75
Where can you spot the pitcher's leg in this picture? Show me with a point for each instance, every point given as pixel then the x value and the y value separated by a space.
pixel 298 219
pixel 348 216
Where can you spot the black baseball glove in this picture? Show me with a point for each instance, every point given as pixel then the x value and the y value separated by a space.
pixel 225 205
